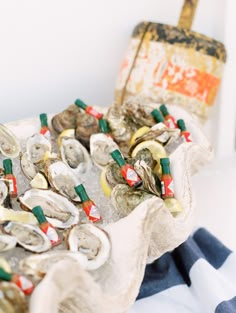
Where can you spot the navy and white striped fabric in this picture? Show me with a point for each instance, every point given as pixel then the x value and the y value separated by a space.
pixel 197 277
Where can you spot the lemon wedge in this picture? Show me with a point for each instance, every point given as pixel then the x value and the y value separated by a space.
pixel 104 184
pixel 39 181
pixel 140 132
pixel 66 133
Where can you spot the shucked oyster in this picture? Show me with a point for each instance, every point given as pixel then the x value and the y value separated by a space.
pixel 12 299
pixel 37 147
pixel 100 148
pixel 27 166
pixel 91 241
pixel 63 179
pixel 60 212
pixel 7 242
pixel 9 145
pixel 74 154
pixel 28 236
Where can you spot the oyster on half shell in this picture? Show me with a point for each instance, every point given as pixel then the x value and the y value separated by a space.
pixel 9 145
pixel 74 154
pixel 28 236
pixel 100 148
pixel 27 166
pixel 60 212
pixel 62 179
pixel 37 148
pixel 91 241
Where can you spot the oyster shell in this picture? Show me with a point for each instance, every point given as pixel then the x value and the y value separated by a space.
pixel 12 299
pixel 38 265
pixel 63 180
pixel 125 199
pixel 100 148
pixel 28 167
pixel 28 236
pixel 86 125
pixel 121 127
pixel 74 154
pixel 65 119
pixel 91 241
pixel 7 242
pixel 60 212
pixel 169 137
pixel 3 191
pixel 9 145
pixel 151 183
pixel 38 147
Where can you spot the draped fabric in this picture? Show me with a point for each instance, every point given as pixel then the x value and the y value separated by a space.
pixel 197 277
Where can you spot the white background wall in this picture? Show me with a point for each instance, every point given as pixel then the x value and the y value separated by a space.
pixel 56 50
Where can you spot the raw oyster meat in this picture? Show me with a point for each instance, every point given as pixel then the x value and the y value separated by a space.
pixel 28 236
pixel 27 166
pixel 9 145
pixel 60 212
pixel 38 147
pixel 7 242
pixel 74 154
pixel 91 241
pixel 63 180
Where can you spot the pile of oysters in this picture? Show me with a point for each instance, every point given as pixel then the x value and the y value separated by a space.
pixel 97 267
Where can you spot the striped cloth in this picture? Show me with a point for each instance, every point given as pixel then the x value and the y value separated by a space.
pixel 197 277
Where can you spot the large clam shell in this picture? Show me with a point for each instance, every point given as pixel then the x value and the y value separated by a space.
pixel 91 241
pixel 37 148
pixel 100 148
pixel 74 154
pixel 60 212
pixel 9 145
pixel 7 242
pixel 63 179
pixel 28 236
